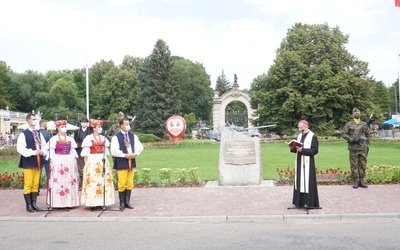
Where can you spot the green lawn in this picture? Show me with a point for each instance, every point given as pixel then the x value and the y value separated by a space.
pixel 274 155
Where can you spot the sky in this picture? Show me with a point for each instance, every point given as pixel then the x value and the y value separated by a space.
pixel 235 36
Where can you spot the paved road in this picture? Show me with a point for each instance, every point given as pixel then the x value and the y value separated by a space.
pixel 352 234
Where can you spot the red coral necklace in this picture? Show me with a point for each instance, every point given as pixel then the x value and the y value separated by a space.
pixel 62 140
pixel 97 140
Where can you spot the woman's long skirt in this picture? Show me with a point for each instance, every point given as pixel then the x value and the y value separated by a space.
pixel 63 183
pixel 94 192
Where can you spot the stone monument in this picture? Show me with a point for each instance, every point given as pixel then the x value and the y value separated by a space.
pixel 239 159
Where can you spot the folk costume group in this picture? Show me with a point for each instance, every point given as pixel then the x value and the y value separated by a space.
pixel 66 179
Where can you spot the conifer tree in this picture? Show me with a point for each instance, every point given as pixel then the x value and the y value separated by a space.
pixel 158 92
pixel 223 85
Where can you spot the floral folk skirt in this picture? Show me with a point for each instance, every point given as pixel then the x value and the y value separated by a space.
pixel 63 183
pixel 94 192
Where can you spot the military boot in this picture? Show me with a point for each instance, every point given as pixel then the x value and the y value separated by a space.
pixel 362 184
pixel 128 198
pixel 122 200
pixel 34 198
pixel 355 185
pixel 28 202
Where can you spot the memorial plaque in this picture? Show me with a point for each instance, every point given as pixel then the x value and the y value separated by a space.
pixel 240 152
pixel 239 159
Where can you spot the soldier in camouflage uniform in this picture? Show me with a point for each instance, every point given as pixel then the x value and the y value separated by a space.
pixel 358 147
pixel 114 129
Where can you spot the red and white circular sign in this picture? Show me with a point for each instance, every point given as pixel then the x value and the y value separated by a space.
pixel 176 127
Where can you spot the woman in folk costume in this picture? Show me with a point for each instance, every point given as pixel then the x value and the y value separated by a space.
pixel 63 183
pixel 94 148
pixel 305 193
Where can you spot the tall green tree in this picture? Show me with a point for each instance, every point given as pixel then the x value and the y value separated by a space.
pixel 99 70
pixel 79 78
pixel 96 74
pixel 5 85
pixel 131 63
pixel 393 92
pixel 313 77
pixel 158 96
pixel 380 96
pixel 118 91
pixel 194 88
pixel 29 91
pixel 63 95
pixel 223 85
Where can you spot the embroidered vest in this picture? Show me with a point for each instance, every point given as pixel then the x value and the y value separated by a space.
pixel 31 161
pixel 97 148
pixel 119 162
pixel 63 149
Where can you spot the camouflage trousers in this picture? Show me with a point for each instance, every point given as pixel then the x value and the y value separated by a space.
pixel 358 163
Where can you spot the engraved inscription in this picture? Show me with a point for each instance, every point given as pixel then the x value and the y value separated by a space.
pixel 240 152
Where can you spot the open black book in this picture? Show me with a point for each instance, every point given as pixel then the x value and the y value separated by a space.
pixel 295 143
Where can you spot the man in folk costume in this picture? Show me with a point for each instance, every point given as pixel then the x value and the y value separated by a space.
pixel 305 193
pixel 31 146
pixel 125 147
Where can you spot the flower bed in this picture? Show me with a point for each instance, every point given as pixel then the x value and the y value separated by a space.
pixel 383 174
pixel 329 176
pixel 13 180
pixel 374 175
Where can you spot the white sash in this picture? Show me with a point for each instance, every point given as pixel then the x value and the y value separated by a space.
pixel 306 144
